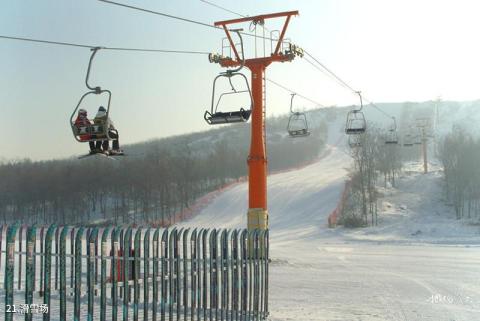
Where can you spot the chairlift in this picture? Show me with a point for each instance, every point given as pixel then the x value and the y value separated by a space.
pixel 297 123
pixel 93 131
pixel 356 123
pixel 407 140
pixel 392 137
pixel 215 116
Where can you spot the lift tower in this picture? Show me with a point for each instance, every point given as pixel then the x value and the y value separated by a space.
pixel 257 160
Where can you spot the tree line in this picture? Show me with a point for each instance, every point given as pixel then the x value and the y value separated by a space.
pixel 372 159
pixel 459 153
pixel 158 179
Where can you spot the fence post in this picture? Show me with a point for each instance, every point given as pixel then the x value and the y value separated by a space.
pixel 63 274
pixel 136 271
pixel 30 270
pixel 205 272
pixel 20 249
pixel 92 240
pixel 171 276
pixel 146 273
pixel 213 275
pixel 78 274
pixel 114 273
pixel 178 272
pixel 47 270
pixel 2 228
pixel 199 272
pixel 266 262
pixel 185 273
pixel 103 273
pixel 127 244
pixel 235 274
pixel 193 273
pixel 9 270
pixel 72 257
pixel 57 235
pixel 243 274
pixel 164 260
pixel 155 272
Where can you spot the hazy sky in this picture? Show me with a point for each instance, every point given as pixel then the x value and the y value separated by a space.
pixel 391 50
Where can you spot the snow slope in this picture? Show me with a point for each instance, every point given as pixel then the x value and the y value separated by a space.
pixel 389 272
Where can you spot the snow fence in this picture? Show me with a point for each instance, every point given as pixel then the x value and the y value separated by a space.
pixel 79 273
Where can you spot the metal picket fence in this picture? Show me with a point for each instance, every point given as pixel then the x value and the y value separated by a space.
pixel 125 273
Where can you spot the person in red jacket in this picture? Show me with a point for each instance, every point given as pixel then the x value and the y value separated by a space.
pixel 81 121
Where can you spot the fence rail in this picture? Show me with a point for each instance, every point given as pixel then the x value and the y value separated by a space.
pixel 81 273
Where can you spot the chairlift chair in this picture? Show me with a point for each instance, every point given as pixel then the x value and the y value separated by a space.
pixel 94 131
pixel 392 137
pixel 407 140
pixel 215 116
pixel 297 122
pixel 356 123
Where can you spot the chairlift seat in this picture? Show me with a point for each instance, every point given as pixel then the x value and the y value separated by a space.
pixel 217 118
pixel 297 125
pixel 299 133
pixel 391 142
pixel 353 131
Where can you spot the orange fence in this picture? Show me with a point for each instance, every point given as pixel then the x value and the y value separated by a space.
pixel 333 217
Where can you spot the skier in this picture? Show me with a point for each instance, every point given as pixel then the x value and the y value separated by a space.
pixel 102 119
pixel 82 121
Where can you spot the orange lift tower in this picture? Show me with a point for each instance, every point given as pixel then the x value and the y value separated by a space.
pixel 257 160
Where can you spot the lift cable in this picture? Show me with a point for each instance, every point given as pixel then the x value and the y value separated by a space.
pixel 71 44
pixel 182 19
pixel 324 69
pixel 223 8
pixel 161 14
pixel 327 71
pixel 294 92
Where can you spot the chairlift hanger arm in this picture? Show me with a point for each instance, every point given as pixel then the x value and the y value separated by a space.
pixel 291 103
pixel 94 52
pixel 359 93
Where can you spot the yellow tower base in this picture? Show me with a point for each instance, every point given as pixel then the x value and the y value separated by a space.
pixel 257 219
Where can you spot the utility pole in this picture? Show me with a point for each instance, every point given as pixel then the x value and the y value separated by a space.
pixel 422 124
pixel 424 147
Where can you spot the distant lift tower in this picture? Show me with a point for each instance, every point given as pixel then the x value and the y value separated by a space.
pixel 257 160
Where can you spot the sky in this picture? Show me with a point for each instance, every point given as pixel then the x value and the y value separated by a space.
pixel 393 51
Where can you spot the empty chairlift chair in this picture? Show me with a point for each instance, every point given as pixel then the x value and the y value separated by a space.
pixel 215 116
pixel 392 137
pixel 408 140
pixel 297 123
pixel 356 123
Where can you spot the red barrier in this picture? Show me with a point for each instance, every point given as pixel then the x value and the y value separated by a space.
pixel 333 217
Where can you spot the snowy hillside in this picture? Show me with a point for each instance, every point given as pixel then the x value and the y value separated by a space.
pixel 404 269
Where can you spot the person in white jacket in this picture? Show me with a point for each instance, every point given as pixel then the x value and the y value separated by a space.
pixel 101 118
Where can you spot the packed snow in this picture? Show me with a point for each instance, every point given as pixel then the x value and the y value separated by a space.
pixel 419 263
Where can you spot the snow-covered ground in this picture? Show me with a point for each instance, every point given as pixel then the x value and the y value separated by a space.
pixel 418 264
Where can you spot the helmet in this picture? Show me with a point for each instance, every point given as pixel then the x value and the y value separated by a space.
pixel 101 108
pixel 82 112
